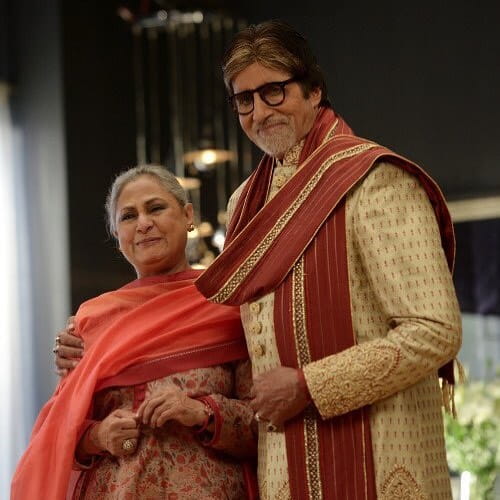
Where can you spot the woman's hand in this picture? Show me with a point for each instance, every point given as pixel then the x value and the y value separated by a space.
pixel 171 404
pixel 68 349
pixel 117 433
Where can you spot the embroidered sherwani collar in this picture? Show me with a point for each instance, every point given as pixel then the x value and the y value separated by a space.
pixel 291 158
pixel 284 170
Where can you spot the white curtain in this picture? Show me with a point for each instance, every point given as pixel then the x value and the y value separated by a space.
pixel 13 434
pixel 34 284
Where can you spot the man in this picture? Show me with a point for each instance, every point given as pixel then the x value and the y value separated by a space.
pixel 339 253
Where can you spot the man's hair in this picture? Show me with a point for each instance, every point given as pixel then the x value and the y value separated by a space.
pixel 165 178
pixel 275 45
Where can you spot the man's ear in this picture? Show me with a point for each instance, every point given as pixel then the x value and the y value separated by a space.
pixel 315 96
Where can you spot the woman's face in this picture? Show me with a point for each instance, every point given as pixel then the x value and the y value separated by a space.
pixel 151 227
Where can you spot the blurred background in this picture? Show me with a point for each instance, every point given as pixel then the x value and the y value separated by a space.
pixel 88 88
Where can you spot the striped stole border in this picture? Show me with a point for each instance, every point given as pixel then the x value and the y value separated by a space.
pixel 329 459
pixel 253 258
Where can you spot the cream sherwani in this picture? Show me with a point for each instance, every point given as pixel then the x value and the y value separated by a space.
pixel 407 323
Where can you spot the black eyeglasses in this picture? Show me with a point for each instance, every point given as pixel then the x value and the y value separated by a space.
pixel 273 94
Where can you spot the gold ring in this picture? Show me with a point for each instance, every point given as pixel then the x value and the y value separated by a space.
pixel 128 444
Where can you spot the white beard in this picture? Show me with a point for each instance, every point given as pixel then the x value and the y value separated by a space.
pixel 276 144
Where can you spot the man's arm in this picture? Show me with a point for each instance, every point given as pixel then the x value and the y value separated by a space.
pixel 401 268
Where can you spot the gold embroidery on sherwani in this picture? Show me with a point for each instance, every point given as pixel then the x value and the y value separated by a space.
pixel 401 485
pixel 311 443
pixel 291 158
pixel 393 245
pixel 334 396
pixel 247 266
pixel 299 314
pixel 282 493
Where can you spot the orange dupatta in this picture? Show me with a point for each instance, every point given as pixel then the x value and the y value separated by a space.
pixel 146 330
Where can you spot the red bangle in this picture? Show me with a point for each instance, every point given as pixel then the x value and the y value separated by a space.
pixel 209 415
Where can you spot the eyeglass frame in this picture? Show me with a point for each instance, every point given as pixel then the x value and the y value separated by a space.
pixel 282 85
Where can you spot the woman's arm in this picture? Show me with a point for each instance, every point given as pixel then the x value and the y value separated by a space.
pixel 223 423
pixel 116 434
pixel 235 430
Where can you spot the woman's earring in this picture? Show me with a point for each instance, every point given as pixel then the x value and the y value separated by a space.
pixel 190 227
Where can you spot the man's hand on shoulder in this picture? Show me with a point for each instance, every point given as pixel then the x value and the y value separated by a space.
pixel 68 349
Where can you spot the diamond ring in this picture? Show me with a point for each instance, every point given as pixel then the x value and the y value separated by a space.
pixel 128 444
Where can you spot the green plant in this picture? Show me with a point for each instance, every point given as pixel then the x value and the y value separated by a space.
pixel 472 439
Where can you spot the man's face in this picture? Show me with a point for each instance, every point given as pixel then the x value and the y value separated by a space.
pixel 275 129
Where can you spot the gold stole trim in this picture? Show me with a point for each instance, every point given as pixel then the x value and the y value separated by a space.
pixel 311 441
pixel 247 266
pixel 331 132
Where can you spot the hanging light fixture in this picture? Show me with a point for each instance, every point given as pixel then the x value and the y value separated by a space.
pixel 206 158
pixel 207 154
pixel 182 119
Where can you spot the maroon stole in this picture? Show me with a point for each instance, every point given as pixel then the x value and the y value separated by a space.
pixel 295 245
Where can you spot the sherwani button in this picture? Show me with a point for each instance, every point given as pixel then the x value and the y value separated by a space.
pixel 256 327
pixel 255 307
pixel 259 350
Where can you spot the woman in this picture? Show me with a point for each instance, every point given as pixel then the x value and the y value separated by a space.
pixel 150 411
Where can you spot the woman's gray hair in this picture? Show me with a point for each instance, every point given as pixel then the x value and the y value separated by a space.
pixel 164 177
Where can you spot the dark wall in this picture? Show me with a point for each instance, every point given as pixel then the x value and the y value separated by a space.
pixel 5 44
pixel 420 77
pixel 100 136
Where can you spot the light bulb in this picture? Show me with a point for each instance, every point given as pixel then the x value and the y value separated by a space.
pixel 208 157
